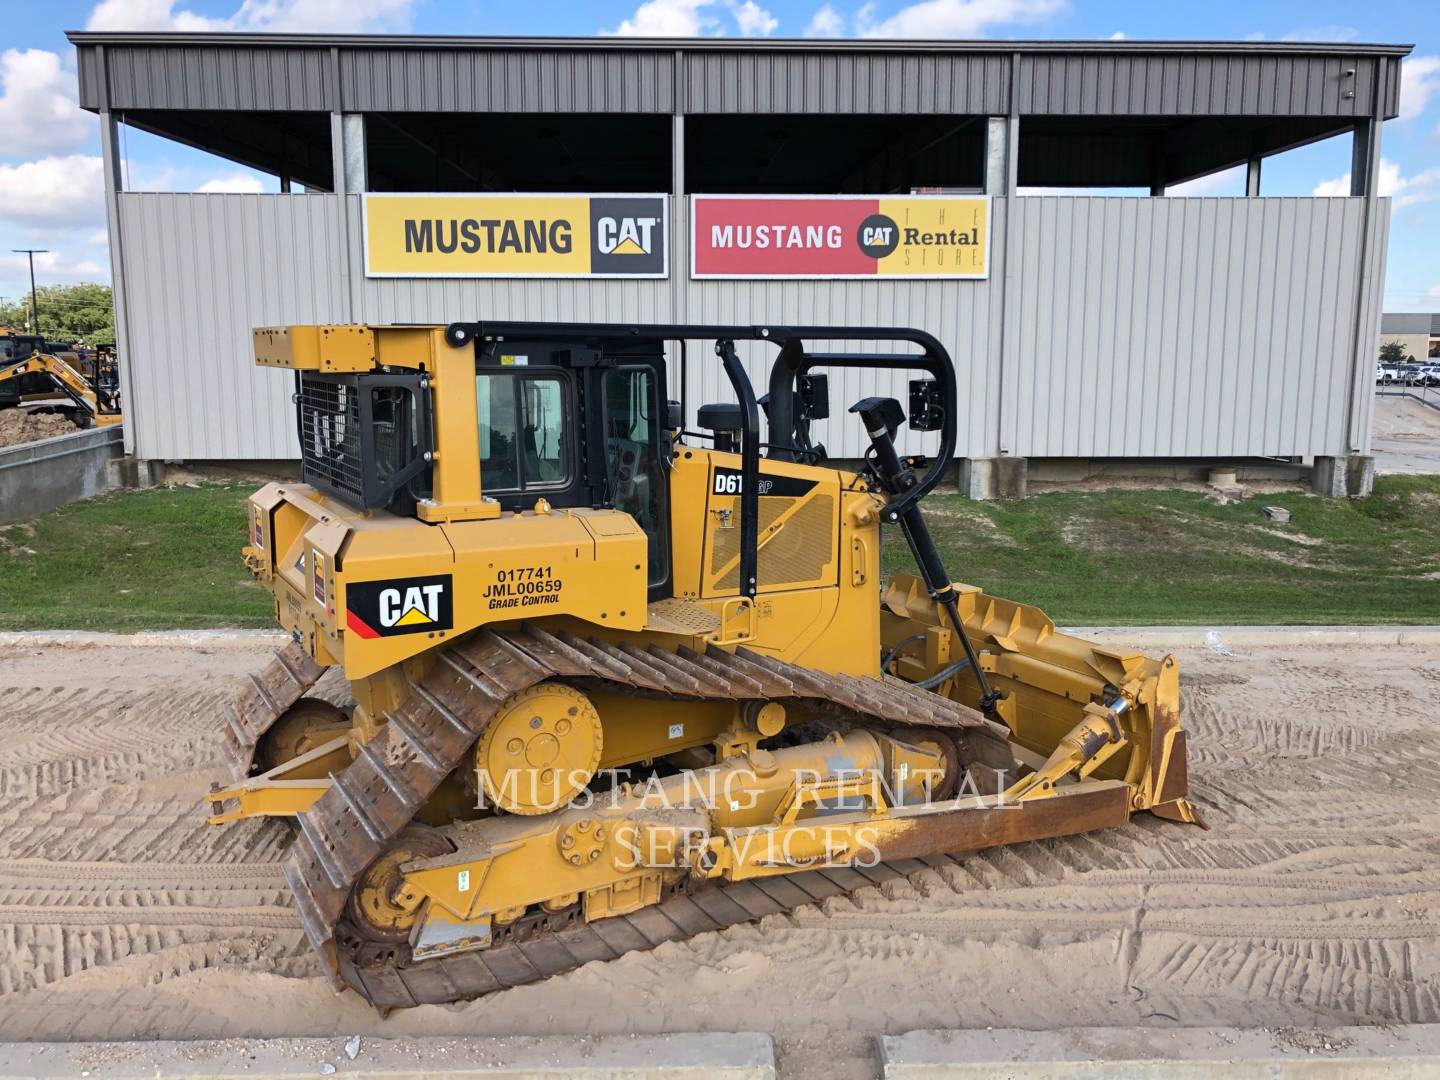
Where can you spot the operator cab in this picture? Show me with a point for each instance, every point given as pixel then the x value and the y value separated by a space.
pixel 576 416
pixel 15 347
pixel 578 426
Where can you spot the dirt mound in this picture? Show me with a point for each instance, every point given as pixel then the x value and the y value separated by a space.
pixel 18 427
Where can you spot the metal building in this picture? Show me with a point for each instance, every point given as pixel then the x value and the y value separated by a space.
pixel 1417 332
pixel 1092 329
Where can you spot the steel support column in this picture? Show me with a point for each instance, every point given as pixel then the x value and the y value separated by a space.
pixel 1252 178
pixel 1364 181
pixel 114 185
pixel 680 210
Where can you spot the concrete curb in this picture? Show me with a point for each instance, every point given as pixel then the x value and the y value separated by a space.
pixel 1221 637
pixel 691 1056
pixel 1407 1052
pixel 148 639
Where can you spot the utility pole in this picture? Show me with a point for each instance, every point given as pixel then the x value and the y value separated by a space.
pixel 34 304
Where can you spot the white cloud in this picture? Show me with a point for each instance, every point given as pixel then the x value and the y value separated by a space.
pixel 670 18
pixel 1419 78
pixel 826 22
pixel 53 192
pixel 954 18
pixel 1422 187
pixel 1225 182
pixel 1433 291
pixel 753 20
pixel 52 267
pixel 1330 32
pixel 148 15
pixel 696 18
pixel 243 183
pixel 1118 35
pixel 39 111
pixel 1339 187
pixel 295 16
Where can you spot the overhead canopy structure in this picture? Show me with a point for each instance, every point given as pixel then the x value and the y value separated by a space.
pixel 457 113
pixel 1125 327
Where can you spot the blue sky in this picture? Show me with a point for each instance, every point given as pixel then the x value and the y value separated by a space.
pixel 50 176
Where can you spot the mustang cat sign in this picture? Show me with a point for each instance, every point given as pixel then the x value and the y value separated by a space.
pixel 839 236
pixel 505 235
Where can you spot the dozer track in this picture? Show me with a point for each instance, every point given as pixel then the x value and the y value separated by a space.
pixel 543 944
pixel 428 737
pixel 280 684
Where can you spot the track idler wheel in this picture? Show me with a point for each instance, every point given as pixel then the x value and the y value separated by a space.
pixel 373 909
pixel 308 723
pixel 540 750
pixel 937 741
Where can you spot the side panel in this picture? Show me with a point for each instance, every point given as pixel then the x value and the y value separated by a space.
pixel 798 528
pixel 372 591
pixel 818 559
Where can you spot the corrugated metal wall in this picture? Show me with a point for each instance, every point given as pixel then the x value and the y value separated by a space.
pixel 214 77
pixel 812 82
pixel 1171 84
pixel 1182 327
pixel 200 272
pixel 506 80
pixel 1132 326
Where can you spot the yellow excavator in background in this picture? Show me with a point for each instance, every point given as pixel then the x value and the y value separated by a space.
pixel 36 374
pixel 617 683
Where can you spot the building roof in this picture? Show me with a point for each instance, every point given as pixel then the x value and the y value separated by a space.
pixel 643 44
pixel 1410 322
pixel 1093 113
pixel 353 72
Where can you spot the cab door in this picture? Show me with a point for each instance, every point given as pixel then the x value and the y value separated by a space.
pixel 636 451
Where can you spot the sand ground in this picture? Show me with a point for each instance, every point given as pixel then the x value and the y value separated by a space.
pixel 1314 900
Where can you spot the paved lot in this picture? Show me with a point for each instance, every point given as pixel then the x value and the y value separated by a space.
pixel 1407 436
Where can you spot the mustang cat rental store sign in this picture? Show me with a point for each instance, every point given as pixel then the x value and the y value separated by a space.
pixel 839 236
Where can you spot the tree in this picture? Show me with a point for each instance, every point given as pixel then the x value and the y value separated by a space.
pixel 68 313
pixel 1392 352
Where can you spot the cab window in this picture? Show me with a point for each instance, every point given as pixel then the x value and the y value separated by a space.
pixel 523 438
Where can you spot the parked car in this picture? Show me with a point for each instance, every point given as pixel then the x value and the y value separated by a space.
pixel 1388 374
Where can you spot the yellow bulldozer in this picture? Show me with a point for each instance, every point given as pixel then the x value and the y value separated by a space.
pixel 616 682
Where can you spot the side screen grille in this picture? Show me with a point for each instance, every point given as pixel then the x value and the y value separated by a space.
pixel 796 555
pixel 366 439
pixel 330 435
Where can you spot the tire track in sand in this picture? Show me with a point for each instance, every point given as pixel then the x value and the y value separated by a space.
pixel 105 856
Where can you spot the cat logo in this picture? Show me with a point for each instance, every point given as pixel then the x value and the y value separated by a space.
pixel 420 606
pixel 625 235
pixel 399 606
